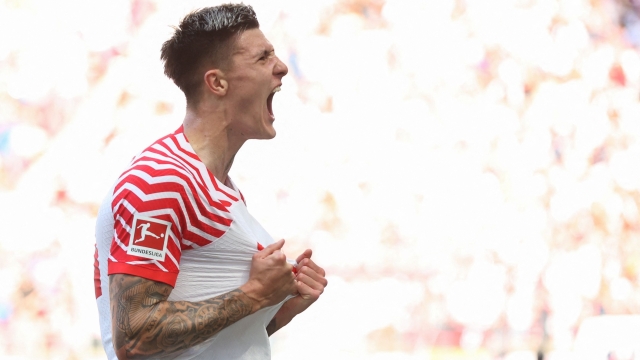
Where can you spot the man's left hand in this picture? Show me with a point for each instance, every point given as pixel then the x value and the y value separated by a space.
pixel 310 283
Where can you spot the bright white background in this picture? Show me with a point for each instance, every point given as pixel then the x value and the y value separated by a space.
pixel 467 171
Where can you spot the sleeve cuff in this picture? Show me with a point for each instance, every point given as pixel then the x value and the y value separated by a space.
pixel 136 270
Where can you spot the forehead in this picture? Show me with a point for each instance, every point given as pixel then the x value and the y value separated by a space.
pixel 251 42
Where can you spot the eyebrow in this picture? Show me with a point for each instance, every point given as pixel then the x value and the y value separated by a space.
pixel 264 52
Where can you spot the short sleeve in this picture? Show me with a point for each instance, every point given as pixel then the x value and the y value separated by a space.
pixel 149 212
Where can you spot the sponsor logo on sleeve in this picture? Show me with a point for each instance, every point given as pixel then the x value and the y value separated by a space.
pixel 149 238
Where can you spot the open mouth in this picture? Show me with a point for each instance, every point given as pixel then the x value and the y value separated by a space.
pixel 270 101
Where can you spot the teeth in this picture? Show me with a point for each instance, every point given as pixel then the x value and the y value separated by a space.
pixel 276 89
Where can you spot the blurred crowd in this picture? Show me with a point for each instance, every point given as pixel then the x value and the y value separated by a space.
pixel 467 171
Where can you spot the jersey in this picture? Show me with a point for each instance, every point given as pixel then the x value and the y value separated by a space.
pixel 168 219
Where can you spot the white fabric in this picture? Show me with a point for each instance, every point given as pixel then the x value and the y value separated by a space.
pixel 104 234
pixel 205 272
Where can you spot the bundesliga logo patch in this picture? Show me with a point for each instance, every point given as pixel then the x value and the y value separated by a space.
pixel 149 238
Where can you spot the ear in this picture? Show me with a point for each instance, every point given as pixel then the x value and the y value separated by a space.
pixel 216 82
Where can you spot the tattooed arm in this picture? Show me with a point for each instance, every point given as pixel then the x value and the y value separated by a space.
pixel 144 324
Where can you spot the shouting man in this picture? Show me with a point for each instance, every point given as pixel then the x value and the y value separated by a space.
pixel 211 283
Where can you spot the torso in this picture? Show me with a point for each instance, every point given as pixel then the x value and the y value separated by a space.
pixel 208 247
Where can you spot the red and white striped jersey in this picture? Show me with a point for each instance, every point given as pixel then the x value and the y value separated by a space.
pixel 168 219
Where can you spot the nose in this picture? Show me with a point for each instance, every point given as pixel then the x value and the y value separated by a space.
pixel 281 69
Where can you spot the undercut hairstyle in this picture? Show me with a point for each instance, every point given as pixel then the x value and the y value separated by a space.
pixel 204 40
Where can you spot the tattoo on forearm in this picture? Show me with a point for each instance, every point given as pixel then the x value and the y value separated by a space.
pixel 272 327
pixel 146 324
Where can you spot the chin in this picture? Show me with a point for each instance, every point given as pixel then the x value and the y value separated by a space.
pixel 270 132
pixel 266 135
pixel 270 135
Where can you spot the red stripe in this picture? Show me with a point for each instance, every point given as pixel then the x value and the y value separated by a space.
pixel 170 203
pixel 177 161
pixel 142 270
pixel 195 196
pixel 215 184
pixel 213 179
pixel 185 152
pixel 96 275
pixel 123 235
pixel 194 170
pixel 143 206
pixel 122 257
pixel 190 184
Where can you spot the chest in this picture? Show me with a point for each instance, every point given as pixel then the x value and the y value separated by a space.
pixel 224 264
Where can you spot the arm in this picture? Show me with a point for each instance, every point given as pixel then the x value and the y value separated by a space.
pixel 310 284
pixel 145 324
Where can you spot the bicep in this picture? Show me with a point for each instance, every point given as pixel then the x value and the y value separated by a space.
pixel 134 307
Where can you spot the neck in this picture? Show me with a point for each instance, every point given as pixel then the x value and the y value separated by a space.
pixel 211 138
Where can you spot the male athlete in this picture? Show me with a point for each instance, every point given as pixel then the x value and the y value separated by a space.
pixel 213 284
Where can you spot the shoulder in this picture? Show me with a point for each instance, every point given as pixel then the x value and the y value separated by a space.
pixel 159 174
pixel 164 163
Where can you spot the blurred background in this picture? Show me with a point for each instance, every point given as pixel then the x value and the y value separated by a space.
pixel 466 171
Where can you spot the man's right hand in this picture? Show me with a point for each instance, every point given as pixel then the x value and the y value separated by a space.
pixel 270 278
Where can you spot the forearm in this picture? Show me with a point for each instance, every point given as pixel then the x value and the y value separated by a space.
pixel 146 325
pixel 277 323
pixel 283 317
